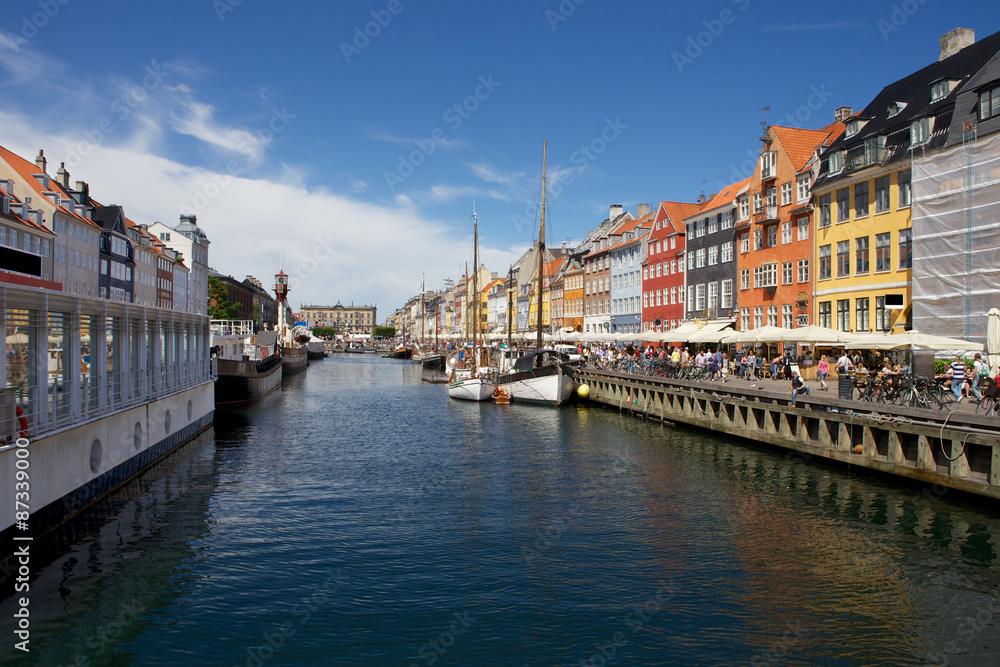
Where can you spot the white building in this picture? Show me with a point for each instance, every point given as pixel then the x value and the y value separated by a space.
pixel 190 241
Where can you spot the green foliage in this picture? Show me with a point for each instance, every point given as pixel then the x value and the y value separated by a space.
pixel 219 307
pixel 384 332
pixel 941 365
pixel 323 332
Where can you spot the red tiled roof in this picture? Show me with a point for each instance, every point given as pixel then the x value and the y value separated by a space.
pixel 677 210
pixel 800 144
pixel 25 170
pixel 727 195
pixel 24 221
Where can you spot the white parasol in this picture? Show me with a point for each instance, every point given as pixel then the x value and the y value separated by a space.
pixel 993 341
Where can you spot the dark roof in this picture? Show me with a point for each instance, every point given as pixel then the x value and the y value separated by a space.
pixel 106 216
pixel 915 91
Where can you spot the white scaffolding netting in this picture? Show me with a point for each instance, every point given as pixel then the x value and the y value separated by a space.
pixel 956 239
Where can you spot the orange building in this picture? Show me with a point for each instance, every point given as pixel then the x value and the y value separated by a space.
pixel 773 243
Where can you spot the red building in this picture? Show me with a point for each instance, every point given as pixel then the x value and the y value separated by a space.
pixel 774 245
pixel 663 267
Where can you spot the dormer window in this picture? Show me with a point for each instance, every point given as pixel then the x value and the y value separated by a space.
pixel 989 103
pixel 940 90
pixel 895 108
pixel 768 165
pixel 920 131
pixel 852 128
pixel 835 162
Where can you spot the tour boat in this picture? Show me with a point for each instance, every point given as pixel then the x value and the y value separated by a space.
pixel 248 367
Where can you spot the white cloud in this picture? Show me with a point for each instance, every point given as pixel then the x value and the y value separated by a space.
pixel 491 174
pixel 197 120
pixel 334 247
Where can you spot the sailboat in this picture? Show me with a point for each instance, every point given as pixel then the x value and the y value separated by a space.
pixel 479 386
pixel 541 376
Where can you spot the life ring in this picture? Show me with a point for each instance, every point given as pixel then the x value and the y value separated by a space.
pixel 22 422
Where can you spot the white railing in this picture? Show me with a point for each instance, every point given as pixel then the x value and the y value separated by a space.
pixel 232 327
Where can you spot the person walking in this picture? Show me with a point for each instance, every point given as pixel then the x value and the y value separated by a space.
pixel 980 372
pixel 824 369
pixel 957 377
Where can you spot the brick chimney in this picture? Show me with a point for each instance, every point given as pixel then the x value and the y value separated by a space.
pixel 40 160
pixel 63 176
pixel 616 210
pixel 955 41
pixel 841 114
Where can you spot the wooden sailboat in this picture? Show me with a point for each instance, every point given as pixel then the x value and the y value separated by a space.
pixel 479 386
pixel 539 376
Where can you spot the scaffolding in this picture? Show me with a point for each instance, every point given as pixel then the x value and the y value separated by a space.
pixel 956 238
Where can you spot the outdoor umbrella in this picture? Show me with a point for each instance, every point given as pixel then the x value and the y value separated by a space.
pixel 816 335
pixel 993 341
pixel 911 339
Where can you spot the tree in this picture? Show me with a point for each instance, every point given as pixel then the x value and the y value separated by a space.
pixel 384 332
pixel 219 307
pixel 323 332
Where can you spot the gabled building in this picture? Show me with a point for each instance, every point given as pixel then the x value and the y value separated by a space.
pixel 774 244
pixel 572 309
pixel 597 271
pixel 627 255
pixel 25 242
pixel 708 263
pixel 118 260
pixel 863 194
pixel 188 239
pixel 663 267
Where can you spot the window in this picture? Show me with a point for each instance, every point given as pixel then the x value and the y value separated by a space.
pixel 758 317
pixel 772 198
pixel 786 193
pixel 824 211
pixel 905 248
pixel 766 275
pixel 803 190
pixel 713 297
pixel 745 319
pixel 803 270
pixel 843 205
pixel 713 224
pixel 844 315
pixel 13 238
pixel 825 315
pixel 824 262
pixel 744 207
pixel 852 128
pixel 843 258
pixel 835 163
pixel 787 318
pixel 673 242
pixel 882 194
pixel 940 90
pixel 745 242
pixel 989 103
pixel 904 188
pixel 786 232
pixel 673 265
pixel 894 108
pixel 861 254
pixel 690 261
pixel 744 278
pixel 881 314
pixel 699 297
pixel 659 270
pixel 772 236
pixel 727 294
pixel 713 255
pixel 699 258
pixel 768 164
pixel 673 294
pixel 861 200
pixel 690 296
pixel 882 260
pixel 772 315
pixel 727 220
pixel 758 202
pixel 758 239
pixel 802 229
pixel 727 251
pixel 787 272
pixel 861 315
pixel 920 132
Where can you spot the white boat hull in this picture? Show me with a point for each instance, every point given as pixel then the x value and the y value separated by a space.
pixel 473 389
pixel 553 389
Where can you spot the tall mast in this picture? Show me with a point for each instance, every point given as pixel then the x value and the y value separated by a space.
pixel 541 254
pixel 467 316
pixel 423 327
pixel 510 303
pixel 475 286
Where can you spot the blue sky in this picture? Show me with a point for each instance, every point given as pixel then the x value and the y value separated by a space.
pixel 351 137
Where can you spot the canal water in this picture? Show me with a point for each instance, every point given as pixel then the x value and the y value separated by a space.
pixel 360 517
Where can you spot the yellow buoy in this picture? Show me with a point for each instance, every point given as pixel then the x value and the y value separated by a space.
pixel 583 391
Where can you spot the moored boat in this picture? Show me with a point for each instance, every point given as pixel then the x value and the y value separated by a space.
pixel 315 348
pixel 248 366
pixel 432 369
pixel 541 377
